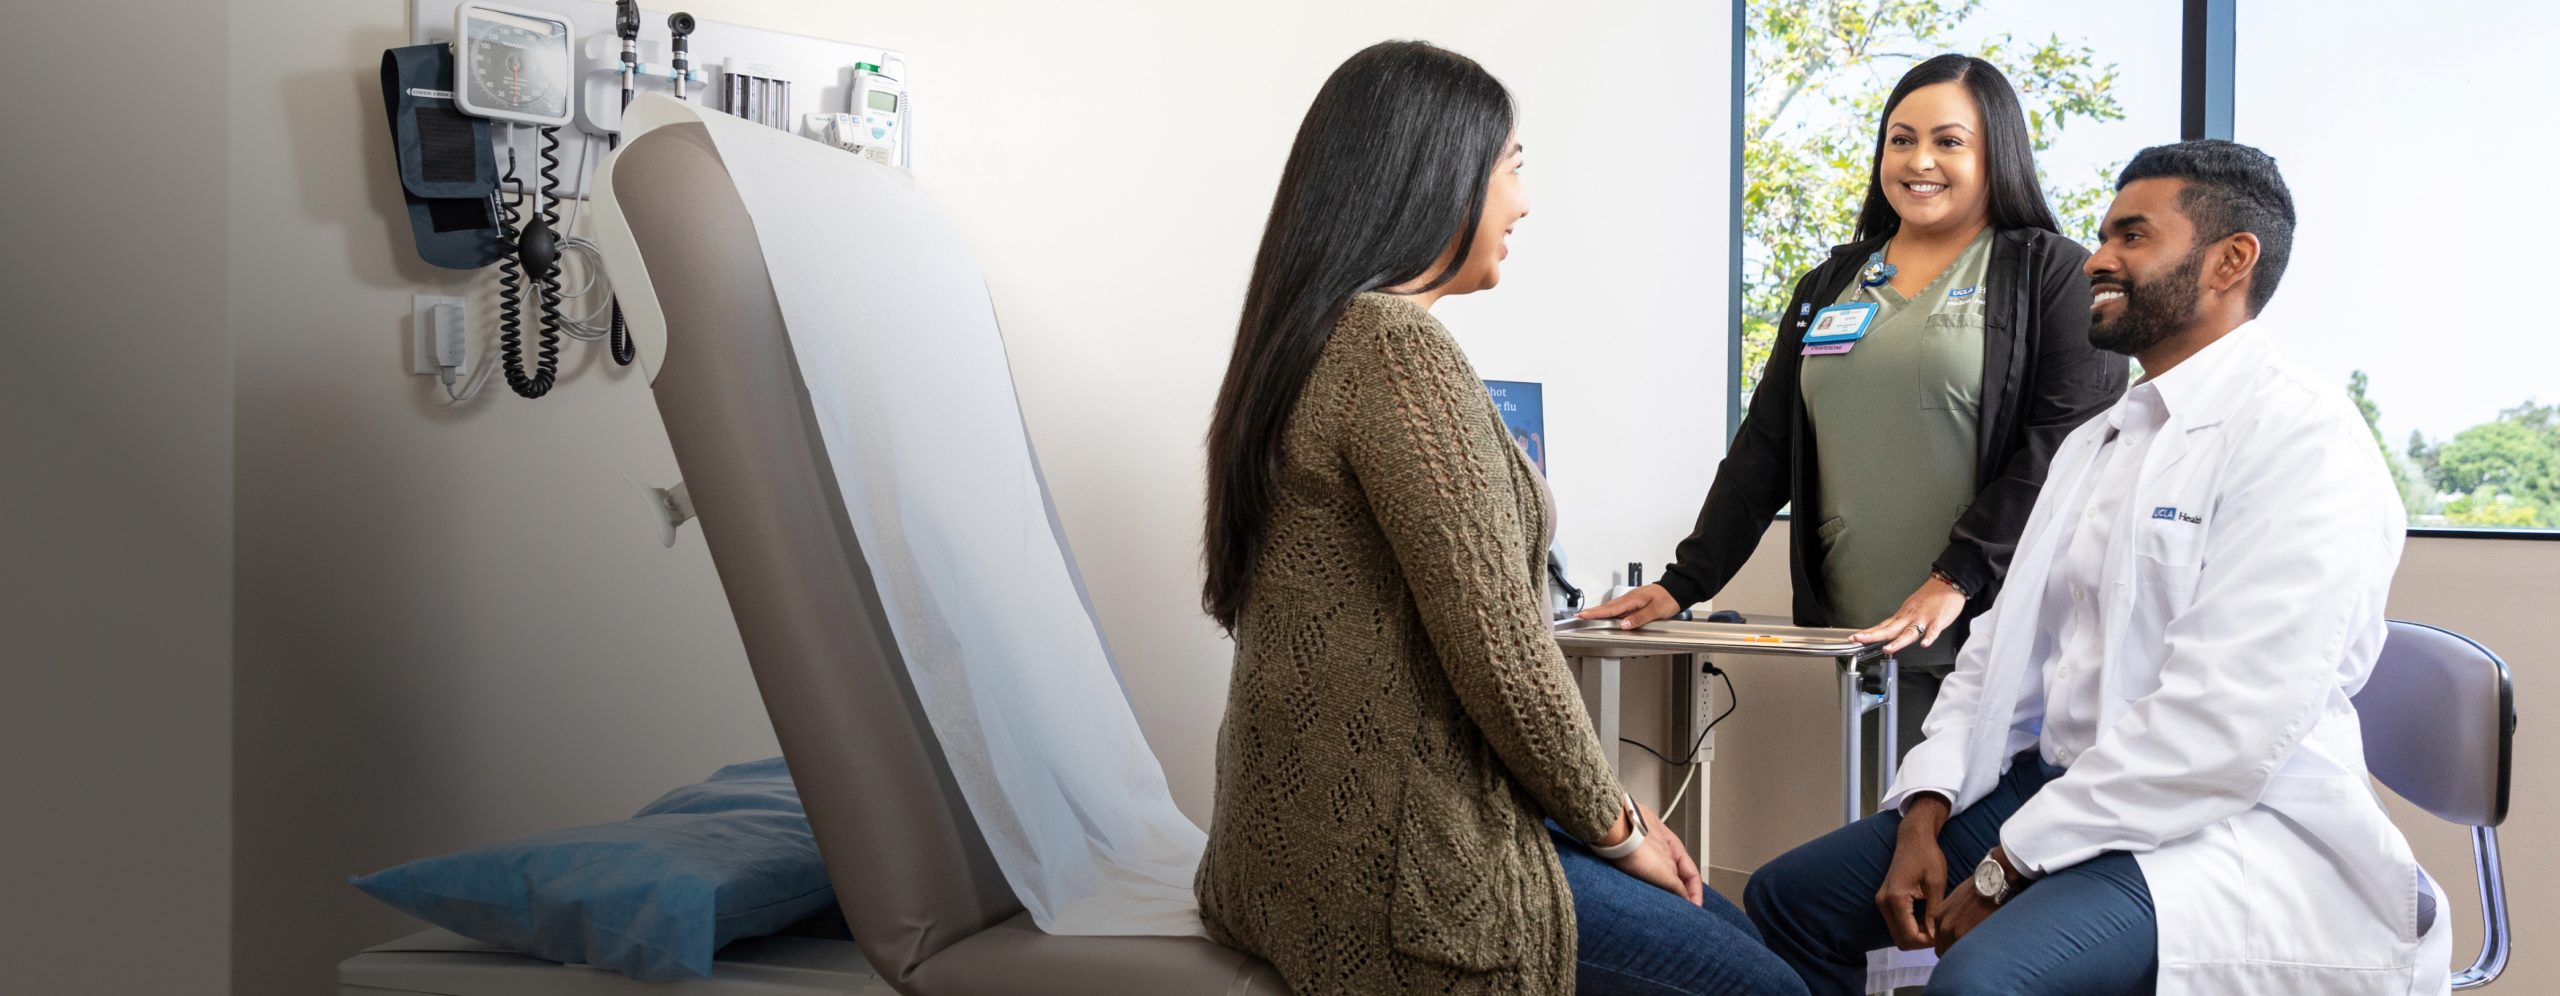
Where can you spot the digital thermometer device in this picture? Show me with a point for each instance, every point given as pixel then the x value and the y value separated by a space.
pixel 879 111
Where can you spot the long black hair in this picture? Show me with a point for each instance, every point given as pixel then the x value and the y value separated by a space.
pixel 1390 166
pixel 2008 153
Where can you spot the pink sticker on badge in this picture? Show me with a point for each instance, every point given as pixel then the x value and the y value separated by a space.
pixel 1831 349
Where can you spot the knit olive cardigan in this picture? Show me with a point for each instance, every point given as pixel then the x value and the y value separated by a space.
pixel 1400 720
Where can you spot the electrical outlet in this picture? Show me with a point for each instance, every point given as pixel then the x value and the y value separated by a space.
pixel 422 332
pixel 1702 693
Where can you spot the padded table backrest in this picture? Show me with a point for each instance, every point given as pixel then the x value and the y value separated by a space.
pixel 908 861
pixel 2439 723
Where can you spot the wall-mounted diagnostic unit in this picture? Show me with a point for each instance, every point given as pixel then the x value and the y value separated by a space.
pixel 500 113
pixel 796 83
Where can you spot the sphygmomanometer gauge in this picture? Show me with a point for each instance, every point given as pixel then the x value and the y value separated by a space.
pixel 516 64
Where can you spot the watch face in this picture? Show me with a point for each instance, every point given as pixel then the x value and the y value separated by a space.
pixel 1988 879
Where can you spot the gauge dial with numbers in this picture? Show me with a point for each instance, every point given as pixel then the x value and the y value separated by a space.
pixel 515 64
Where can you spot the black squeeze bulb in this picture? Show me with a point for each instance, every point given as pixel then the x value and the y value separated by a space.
pixel 538 249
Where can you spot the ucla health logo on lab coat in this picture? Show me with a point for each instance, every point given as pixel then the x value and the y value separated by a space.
pixel 2171 513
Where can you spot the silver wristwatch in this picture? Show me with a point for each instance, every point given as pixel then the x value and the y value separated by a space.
pixel 1991 881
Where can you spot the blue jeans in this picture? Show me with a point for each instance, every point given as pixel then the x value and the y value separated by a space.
pixel 1633 939
pixel 2087 929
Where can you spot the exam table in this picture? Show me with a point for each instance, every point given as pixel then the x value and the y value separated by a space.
pixel 929 909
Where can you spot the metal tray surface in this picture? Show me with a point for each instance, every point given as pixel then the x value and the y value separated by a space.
pixel 1603 638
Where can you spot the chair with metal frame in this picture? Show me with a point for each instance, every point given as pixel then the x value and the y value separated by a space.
pixel 2439 722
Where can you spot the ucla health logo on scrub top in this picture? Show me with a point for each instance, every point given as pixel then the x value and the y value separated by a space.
pixel 1965 295
pixel 2171 513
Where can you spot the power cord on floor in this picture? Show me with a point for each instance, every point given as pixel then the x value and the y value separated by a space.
pixel 1732 702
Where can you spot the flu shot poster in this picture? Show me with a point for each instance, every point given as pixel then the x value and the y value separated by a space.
pixel 1523 407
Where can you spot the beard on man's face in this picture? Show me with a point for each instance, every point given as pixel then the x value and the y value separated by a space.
pixel 2152 310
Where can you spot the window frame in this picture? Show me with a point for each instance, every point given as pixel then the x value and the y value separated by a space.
pixel 2208 58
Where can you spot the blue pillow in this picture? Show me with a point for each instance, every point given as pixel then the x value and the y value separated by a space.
pixel 651 897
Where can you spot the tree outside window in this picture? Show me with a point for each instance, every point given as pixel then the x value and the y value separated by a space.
pixel 1815 82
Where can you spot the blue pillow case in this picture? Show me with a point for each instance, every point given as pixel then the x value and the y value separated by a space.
pixel 651 897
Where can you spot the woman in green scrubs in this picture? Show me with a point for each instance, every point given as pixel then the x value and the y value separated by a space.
pixel 1912 453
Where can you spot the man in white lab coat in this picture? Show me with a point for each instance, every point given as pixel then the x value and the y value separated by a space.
pixel 2146 772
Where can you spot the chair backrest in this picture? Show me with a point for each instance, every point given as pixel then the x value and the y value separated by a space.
pixel 2439 723
pixel 909 863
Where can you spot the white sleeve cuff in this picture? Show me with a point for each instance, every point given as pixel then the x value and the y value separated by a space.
pixel 1931 766
pixel 2040 847
pixel 1900 801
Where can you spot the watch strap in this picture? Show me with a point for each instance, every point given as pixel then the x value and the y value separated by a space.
pixel 1635 833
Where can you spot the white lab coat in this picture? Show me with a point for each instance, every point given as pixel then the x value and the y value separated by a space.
pixel 2229 760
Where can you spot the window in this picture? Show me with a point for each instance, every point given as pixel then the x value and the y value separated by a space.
pixel 2407 137
pixel 2415 144
pixel 2097 85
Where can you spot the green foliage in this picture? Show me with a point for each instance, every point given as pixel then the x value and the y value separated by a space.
pixel 1817 75
pixel 2501 511
pixel 2500 473
pixel 2503 456
pixel 2411 481
pixel 2359 389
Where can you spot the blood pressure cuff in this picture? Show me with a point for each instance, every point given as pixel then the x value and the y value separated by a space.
pixel 447 172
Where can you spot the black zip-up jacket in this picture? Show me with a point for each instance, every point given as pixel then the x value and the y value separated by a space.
pixel 2040 380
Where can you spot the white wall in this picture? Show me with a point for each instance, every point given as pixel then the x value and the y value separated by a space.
pixel 454 625
pixel 1119 278
pixel 115 569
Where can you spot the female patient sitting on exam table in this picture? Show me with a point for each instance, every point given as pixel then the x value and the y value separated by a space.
pixel 1409 796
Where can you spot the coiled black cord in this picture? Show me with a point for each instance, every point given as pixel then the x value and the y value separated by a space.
pixel 531 253
pixel 546 251
pixel 511 287
pixel 623 353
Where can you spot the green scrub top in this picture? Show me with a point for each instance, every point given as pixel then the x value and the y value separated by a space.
pixel 1895 422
